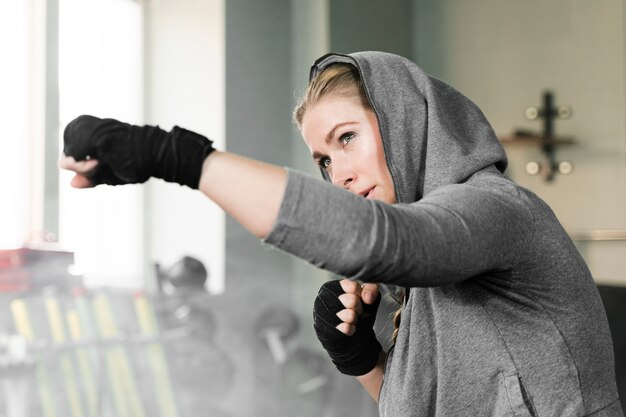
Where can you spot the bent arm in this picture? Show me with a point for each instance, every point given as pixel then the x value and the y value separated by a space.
pixel 253 197
pixel 250 191
pixel 373 380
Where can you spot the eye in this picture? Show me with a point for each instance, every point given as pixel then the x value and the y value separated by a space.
pixel 324 162
pixel 346 137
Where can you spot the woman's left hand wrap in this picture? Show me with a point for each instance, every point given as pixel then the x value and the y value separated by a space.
pixel 355 354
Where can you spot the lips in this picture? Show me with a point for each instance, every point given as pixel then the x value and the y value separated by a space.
pixel 366 193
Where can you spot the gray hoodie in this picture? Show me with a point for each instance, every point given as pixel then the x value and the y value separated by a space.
pixel 502 316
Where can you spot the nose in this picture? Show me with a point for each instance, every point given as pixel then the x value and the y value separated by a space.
pixel 343 173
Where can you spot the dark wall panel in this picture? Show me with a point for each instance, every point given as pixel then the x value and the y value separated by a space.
pixel 614 299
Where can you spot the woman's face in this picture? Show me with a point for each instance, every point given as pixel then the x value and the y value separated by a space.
pixel 344 139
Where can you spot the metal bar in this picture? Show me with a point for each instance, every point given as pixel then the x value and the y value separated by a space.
pixel 598 235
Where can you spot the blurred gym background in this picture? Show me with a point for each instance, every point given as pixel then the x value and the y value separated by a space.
pixel 147 300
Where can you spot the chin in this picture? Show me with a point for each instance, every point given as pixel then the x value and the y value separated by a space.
pixel 389 199
pixel 384 199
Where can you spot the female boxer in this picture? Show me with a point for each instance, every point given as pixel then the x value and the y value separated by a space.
pixel 500 316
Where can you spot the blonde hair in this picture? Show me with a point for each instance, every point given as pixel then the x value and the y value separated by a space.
pixel 341 79
pixel 396 317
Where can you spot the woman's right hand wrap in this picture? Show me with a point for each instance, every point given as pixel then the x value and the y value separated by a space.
pixel 130 154
pixel 355 354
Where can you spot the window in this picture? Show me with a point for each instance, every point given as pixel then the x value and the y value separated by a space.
pixel 100 73
pixel 20 120
pixel 116 233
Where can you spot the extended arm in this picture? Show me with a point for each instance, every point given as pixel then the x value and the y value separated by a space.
pixel 450 235
pixel 453 234
pixel 108 151
pixel 248 190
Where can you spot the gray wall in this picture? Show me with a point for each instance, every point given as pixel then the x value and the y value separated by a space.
pixel 370 25
pixel 258 126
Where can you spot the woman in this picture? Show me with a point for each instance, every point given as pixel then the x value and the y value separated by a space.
pixel 500 314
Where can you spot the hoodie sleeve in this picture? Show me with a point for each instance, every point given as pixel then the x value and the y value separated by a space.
pixel 454 233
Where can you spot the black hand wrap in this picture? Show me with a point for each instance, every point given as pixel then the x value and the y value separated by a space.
pixel 352 355
pixel 131 154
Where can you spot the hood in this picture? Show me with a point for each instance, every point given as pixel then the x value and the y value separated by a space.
pixel 432 134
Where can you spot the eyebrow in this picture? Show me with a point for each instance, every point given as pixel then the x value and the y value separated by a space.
pixel 330 136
